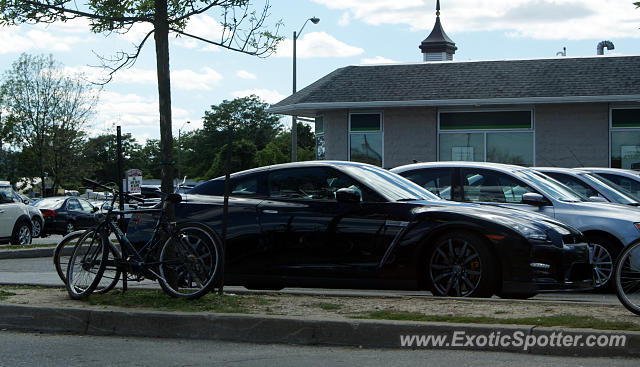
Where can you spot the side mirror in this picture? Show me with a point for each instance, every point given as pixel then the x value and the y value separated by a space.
pixel 598 199
pixel 95 209
pixel 345 195
pixel 533 198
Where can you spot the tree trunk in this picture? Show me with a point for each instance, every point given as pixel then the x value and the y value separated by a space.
pixel 161 36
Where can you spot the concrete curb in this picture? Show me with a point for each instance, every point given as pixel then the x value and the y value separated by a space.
pixel 294 330
pixel 27 253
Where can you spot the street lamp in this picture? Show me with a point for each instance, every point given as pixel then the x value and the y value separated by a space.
pixel 294 122
pixel 180 149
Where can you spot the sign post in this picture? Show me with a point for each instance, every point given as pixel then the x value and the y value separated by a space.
pixel 134 181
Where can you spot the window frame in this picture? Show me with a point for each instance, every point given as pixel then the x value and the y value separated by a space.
pixel 318 135
pixel 484 132
pixel 613 129
pixel 380 132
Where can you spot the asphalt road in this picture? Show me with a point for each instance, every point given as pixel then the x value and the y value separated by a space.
pixel 41 271
pixel 26 349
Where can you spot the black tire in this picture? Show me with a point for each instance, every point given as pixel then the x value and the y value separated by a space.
pixel 21 235
pixel 36 227
pixel 605 252
pixel 86 265
pixel 190 261
pixel 62 254
pixel 627 278
pixel 461 265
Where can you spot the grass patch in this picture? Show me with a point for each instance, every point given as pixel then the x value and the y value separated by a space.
pixel 5 294
pixel 211 302
pixel 571 321
pixel 44 245
pixel 325 306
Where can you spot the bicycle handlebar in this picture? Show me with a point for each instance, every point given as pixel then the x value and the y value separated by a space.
pixel 97 184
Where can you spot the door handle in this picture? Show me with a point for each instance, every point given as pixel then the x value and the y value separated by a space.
pixel 1 211
pixel 268 211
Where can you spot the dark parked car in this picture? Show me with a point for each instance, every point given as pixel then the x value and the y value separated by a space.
pixel 346 224
pixel 65 214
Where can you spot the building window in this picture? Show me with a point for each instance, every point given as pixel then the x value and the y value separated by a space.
pixel 365 138
pixel 319 131
pixel 625 138
pixel 487 136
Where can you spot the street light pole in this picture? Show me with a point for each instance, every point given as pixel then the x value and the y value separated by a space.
pixel 180 150
pixel 294 118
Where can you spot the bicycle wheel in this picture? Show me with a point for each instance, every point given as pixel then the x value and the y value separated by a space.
pixel 86 265
pixel 627 278
pixel 62 253
pixel 189 261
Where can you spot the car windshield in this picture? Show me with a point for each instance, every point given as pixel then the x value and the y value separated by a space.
pixel 48 203
pixel 390 185
pixel 552 187
pixel 620 194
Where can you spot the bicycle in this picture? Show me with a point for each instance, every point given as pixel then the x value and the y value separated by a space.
pixel 184 258
pixel 627 277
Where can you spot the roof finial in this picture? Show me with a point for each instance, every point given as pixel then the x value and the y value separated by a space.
pixel 437 8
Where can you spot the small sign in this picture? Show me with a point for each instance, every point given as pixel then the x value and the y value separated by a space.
pixel 134 181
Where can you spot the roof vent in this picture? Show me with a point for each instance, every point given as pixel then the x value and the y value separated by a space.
pixel 603 44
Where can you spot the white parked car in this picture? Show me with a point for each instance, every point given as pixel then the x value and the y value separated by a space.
pixel 15 221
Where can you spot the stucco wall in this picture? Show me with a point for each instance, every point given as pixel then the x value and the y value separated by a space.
pixel 336 134
pixel 572 135
pixel 409 133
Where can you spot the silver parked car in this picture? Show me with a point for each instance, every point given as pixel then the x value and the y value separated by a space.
pixel 626 178
pixel 609 227
pixel 591 185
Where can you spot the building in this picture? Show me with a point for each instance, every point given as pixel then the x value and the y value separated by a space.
pixel 562 111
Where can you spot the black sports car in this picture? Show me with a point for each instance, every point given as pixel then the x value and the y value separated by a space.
pixel 347 224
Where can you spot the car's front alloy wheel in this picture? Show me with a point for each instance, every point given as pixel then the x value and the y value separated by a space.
pixel 460 265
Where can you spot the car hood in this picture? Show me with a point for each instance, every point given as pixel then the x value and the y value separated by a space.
pixel 491 212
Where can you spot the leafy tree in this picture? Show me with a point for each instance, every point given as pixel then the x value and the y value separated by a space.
pixel 101 156
pixel 242 30
pixel 46 112
pixel 243 154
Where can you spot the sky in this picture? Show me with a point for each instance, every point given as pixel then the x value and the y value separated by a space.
pixel 350 32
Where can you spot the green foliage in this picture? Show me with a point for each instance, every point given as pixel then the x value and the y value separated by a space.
pixel 243 156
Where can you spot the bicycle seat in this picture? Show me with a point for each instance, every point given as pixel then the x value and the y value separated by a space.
pixel 174 198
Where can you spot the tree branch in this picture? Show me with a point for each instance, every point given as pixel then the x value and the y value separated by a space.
pixel 77 13
pixel 129 59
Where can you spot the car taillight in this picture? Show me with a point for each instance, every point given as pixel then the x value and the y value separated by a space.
pixel 48 213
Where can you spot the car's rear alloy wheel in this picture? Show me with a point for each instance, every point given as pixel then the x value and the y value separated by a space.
pixel 21 235
pixel 69 227
pixel 460 265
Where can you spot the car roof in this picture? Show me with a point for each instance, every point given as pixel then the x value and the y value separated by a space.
pixel 574 171
pixel 612 170
pixel 497 166
pixel 298 165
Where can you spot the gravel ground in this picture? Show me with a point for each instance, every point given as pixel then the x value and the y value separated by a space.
pixel 347 307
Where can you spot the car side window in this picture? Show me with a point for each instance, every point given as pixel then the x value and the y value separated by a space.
pixel 212 187
pixel 573 183
pixel 487 186
pixel 6 196
pixel 245 187
pixel 85 206
pixel 629 184
pixel 316 183
pixel 438 180
pixel 73 204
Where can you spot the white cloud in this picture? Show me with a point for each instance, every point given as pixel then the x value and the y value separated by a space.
pixel 202 26
pixel 243 74
pixel 22 39
pixel 345 19
pixel 136 114
pixel 377 60
pixel 184 79
pixel 317 44
pixel 537 19
pixel 267 95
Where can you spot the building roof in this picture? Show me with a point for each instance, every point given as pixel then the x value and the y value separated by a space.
pixel 455 83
